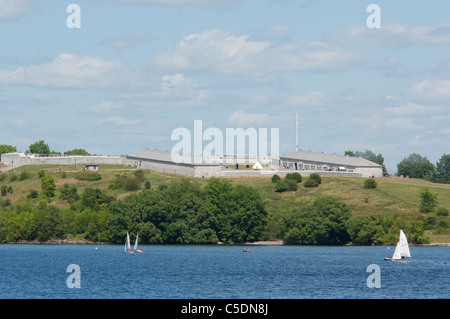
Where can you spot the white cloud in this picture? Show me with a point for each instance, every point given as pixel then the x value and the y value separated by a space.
pixel 392 35
pixel 430 91
pixel 379 123
pixel 105 107
pixel 68 70
pixel 279 31
pixel 440 69
pixel 413 108
pixel 12 9
pixel 220 51
pixel 120 42
pixel 391 67
pixel 240 118
pixel 118 120
pixel 194 3
pixel 311 99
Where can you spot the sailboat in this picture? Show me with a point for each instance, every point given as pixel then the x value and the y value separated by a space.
pixel 127 245
pixel 136 245
pixel 401 250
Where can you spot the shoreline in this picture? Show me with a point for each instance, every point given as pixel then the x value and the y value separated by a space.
pixel 255 243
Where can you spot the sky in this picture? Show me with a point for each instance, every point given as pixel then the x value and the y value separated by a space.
pixel 136 70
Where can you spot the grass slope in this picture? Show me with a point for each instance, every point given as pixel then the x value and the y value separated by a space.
pixel 393 196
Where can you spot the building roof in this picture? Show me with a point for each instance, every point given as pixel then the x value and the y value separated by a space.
pixel 330 159
pixel 155 155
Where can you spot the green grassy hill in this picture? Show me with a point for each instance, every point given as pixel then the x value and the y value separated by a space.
pixel 395 197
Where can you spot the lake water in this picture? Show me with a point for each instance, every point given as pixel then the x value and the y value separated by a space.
pixel 216 272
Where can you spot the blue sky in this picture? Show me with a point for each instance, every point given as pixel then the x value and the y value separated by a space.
pixel 138 69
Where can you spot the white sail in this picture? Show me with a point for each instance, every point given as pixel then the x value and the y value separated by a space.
pixel 397 254
pixel 136 242
pixel 404 248
pixel 128 242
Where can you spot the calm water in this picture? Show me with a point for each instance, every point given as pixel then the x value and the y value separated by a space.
pixel 270 272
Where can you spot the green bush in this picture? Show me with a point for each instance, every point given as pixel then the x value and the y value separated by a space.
pixel 280 186
pixel 90 177
pixel 316 177
pixel 294 176
pixel 291 185
pixel 285 185
pixel 428 201
pixel 275 178
pixel 24 175
pixel 311 183
pixel 370 183
pixel 33 193
pixel 69 193
pixel 41 174
pixel 48 186
pixel 13 178
pixel 442 224
pixel 131 184
pixel 4 189
pixel 442 211
pixel 139 174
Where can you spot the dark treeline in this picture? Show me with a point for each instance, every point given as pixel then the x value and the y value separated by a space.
pixel 416 166
pixel 179 212
pixel 183 212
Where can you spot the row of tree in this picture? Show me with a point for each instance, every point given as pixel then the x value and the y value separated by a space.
pixel 328 221
pixel 181 212
pixel 40 147
pixel 416 166
pixel 185 213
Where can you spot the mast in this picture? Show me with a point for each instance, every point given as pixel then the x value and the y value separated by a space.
pixel 296 132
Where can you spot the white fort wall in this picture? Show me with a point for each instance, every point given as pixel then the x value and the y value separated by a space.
pixel 13 160
pixel 20 159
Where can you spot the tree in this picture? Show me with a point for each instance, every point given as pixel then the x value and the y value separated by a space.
pixel 370 156
pixel 69 193
pixel 48 186
pixel 350 153
pixel 77 151
pixel 416 166
pixel 428 201
pixel 94 196
pixel 6 149
pixel 442 174
pixel 322 223
pixel 365 230
pixel 39 148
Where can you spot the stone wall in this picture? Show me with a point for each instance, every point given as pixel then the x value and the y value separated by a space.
pixel 19 159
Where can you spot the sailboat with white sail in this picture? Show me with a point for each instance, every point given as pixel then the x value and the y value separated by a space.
pixel 135 249
pixel 136 245
pixel 401 250
pixel 128 249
